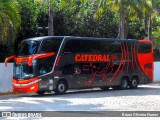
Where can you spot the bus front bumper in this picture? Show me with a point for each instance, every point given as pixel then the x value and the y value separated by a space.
pixel 30 85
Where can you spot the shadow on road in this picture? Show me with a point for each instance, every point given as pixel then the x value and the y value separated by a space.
pixel 71 101
pixel 148 89
pixel 96 93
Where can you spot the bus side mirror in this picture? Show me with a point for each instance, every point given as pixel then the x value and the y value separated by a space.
pixel 8 59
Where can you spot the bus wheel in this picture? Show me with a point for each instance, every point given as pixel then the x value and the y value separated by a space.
pixel 61 88
pixel 124 84
pixel 40 92
pixel 134 83
pixel 105 88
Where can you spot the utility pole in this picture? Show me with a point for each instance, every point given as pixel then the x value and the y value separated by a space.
pixel 50 20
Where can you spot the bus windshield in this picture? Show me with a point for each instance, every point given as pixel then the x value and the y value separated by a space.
pixel 23 71
pixel 27 48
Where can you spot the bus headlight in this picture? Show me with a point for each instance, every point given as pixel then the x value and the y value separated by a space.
pixel 23 85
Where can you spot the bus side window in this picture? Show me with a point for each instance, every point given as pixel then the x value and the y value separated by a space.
pixel 91 46
pixel 109 47
pixel 81 46
pixel 50 46
pixel 44 68
pixel 144 48
pixel 71 46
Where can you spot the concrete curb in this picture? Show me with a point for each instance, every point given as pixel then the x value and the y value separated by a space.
pixel 15 95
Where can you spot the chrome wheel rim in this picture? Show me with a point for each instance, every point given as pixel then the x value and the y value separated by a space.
pixel 61 87
pixel 134 82
pixel 124 84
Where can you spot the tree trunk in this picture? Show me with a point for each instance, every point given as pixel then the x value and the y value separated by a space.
pixel 0 34
pixel 121 25
pixel 50 20
pixel 150 31
pixel 126 25
pixel 146 24
pixel 150 28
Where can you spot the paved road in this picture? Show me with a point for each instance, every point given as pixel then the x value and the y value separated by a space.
pixel 145 98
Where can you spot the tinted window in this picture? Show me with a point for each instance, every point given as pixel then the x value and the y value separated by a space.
pixel 45 67
pixel 91 46
pixel 144 47
pixel 110 47
pixel 79 46
pixel 50 45
pixel 28 48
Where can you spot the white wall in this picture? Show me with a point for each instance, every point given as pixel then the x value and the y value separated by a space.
pixel 6 77
pixel 156 71
pixel 7 72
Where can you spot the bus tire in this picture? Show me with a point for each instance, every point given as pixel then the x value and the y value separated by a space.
pixel 61 88
pixel 105 88
pixel 40 92
pixel 124 83
pixel 134 83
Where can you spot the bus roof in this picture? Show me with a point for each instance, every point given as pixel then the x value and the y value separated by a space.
pixel 81 38
pixel 96 38
pixel 44 37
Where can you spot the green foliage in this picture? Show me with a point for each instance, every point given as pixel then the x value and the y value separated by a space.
pixel 5 51
pixel 75 23
pixel 9 20
pixel 31 13
pixel 156 54
pixel 23 19
pixel 136 30
pixel 156 30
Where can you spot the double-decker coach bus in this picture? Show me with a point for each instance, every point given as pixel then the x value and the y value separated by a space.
pixel 59 63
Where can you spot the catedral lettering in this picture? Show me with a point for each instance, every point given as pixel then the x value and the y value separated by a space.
pixel 92 58
pixel 59 63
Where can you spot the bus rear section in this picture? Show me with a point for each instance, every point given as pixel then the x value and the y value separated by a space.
pixel 146 60
pixel 60 63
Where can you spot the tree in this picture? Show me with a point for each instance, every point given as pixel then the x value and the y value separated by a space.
pixel 60 4
pixel 50 20
pixel 81 22
pixel 149 16
pixel 9 20
pixel 29 10
pixel 124 8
